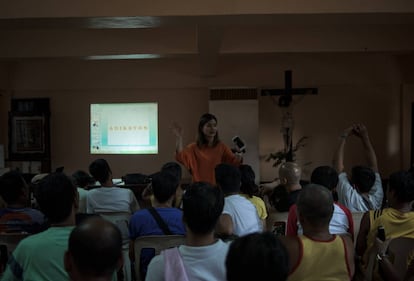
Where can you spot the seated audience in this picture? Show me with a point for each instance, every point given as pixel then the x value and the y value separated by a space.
pixel 94 251
pixel 284 195
pixel 341 222
pixel 249 189
pixel 364 192
pixel 17 217
pixel 174 169
pixel 40 256
pixel 257 256
pixel 144 222
pixel 397 220
pixel 112 199
pixel 239 214
pixel 203 256
pixel 108 198
pixel 82 180
pixel 317 254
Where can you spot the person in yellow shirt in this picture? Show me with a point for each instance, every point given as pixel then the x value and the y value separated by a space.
pixel 318 255
pixel 249 190
pixel 397 220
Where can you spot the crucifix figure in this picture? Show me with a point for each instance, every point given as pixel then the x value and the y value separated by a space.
pixel 287 131
pixel 285 102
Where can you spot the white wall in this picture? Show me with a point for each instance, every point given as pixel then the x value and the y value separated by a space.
pixel 240 118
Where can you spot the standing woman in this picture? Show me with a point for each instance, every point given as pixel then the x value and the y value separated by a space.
pixel 202 156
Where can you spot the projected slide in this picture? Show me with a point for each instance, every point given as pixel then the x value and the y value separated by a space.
pixel 124 128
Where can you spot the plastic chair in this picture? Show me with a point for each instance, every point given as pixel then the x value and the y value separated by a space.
pixel 121 220
pixel 400 250
pixel 276 222
pixel 154 244
pixel 357 217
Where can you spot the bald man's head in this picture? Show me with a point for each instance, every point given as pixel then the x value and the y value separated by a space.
pixel 290 173
pixel 94 250
pixel 315 205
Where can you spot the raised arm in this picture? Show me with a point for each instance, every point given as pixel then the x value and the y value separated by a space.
pixel 361 241
pixel 338 160
pixel 178 132
pixel 362 132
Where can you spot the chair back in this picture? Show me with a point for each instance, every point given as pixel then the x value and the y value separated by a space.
pixel 121 220
pixel 400 250
pixel 276 222
pixel 357 217
pixel 152 245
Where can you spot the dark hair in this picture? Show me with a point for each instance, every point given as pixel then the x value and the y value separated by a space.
pixel 363 178
pixel 164 185
pixel 202 207
pixel 100 170
pixel 315 203
pixel 257 256
pixel 279 198
pixel 174 169
pixel 82 179
pixel 402 183
pixel 326 176
pixel 12 185
pixel 96 247
pixel 248 185
pixel 228 178
pixel 56 195
pixel 201 139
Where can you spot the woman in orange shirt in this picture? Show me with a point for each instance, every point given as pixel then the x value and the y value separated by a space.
pixel 201 157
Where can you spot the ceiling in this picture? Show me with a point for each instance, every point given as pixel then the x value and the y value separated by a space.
pixel 204 37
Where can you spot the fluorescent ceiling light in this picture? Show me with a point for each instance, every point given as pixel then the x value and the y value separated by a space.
pixel 123 57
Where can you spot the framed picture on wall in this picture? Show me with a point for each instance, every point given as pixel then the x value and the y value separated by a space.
pixel 27 134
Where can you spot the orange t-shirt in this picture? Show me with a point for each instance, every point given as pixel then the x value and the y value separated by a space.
pixel 201 162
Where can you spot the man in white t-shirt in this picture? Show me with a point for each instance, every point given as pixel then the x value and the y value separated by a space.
pixel 108 198
pixel 203 256
pixel 364 192
pixel 341 221
pixel 239 215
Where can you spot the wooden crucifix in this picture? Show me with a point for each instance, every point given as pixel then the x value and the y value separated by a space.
pixel 285 100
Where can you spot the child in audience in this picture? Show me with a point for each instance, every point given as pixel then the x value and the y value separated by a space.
pixel 341 222
pixel 17 217
pixel 82 180
pixel 175 170
pixel 203 256
pixel 239 214
pixel 364 191
pixel 40 256
pixel 144 222
pixel 397 220
pixel 108 198
pixel 249 189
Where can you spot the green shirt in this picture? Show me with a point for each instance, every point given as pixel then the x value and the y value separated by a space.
pixel 40 256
